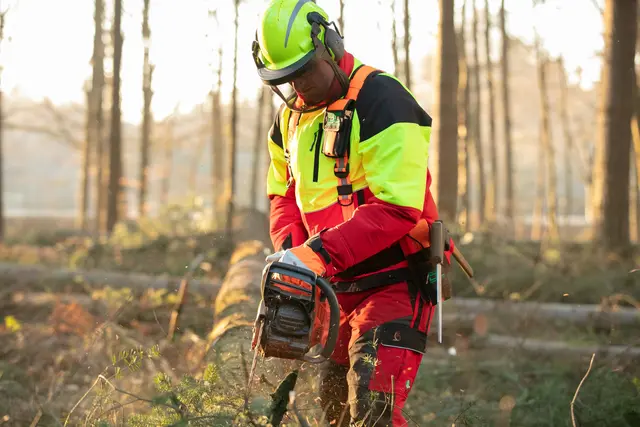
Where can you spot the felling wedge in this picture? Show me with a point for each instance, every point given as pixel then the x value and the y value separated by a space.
pixel 439 241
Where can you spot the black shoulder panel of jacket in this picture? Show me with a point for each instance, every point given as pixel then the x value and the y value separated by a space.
pixel 383 102
pixel 275 132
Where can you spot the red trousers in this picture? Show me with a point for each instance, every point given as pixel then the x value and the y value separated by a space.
pixel 382 340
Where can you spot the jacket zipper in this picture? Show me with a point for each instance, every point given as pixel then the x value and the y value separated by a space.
pixel 316 159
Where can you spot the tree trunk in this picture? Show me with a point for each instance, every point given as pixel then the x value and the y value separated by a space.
pixel 167 170
pixel 258 146
pixel 394 41
pixel 492 194
pixel 147 93
pixel 217 146
pixel 598 168
pixel 97 111
pixel 477 128
pixel 115 195
pixel 445 127
pixel 463 128
pixel 2 18
pixel 407 43
pixel 510 201
pixel 234 121
pixel 272 115
pixel 537 228
pixel 634 205
pixel 635 132
pixel 616 110
pixel 83 193
pixel 197 155
pixel 568 139
pixel 341 17
pixel 547 145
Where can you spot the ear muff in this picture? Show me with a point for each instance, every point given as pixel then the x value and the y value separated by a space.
pixel 333 40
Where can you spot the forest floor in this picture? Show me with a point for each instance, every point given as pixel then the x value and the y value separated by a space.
pixel 104 348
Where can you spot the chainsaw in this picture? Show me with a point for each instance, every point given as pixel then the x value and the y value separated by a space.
pixel 291 318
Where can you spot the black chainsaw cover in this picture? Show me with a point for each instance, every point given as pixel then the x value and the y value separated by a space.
pixel 287 329
pixel 290 311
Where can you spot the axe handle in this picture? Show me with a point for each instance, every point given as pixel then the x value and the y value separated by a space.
pixel 462 262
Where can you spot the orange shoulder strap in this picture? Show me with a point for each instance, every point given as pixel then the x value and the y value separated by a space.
pixel 341 168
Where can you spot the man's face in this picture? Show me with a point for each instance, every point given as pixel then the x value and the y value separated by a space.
pixel 314 84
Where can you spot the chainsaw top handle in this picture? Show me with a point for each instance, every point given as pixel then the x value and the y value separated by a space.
pixel 327 291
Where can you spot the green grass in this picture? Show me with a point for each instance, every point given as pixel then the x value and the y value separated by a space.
pixel 575 273
pixel 520 390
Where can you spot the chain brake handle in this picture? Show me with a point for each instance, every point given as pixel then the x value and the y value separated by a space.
pixel 327 292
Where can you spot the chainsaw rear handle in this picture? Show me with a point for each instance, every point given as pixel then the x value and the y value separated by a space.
pixel 327 290
pixel 334 322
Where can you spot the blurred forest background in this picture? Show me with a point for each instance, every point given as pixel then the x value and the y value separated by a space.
pixel 132 173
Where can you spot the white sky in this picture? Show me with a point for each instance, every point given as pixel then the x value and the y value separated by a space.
pixel 48 43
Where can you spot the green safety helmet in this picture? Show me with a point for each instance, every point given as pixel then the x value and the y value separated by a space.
pixel 290 34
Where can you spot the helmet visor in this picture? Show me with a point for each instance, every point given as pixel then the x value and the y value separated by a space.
pixel 276 77
pixel 283 86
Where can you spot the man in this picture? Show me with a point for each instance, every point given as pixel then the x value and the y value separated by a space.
pixel 349 190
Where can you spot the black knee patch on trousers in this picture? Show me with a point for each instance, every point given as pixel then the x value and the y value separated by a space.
pixel 367 407
pixel 333 392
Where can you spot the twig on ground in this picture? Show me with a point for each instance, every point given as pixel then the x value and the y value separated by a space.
pixel 343 414
pixel 116 406
pixel 82 398
pixel 182 295
pixel 36 419
pixel 323 416
pixel 179 408
pixel 575 396
pixel 292 403
pixel 41 406
pixel 155 315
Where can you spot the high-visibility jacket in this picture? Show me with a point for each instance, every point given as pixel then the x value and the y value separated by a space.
pixel 388 174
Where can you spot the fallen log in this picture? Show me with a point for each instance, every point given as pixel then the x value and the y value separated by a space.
pixel 229 342
pixel 557 348
pixel 236 302
pixel 38 277
pixel 577 314
pixel 35 277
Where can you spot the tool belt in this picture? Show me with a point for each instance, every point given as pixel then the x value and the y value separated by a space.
pixel 420 272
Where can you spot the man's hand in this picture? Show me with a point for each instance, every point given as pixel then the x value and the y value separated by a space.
pixel 301 256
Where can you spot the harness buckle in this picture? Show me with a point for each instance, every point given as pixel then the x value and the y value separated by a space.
pixel 341 172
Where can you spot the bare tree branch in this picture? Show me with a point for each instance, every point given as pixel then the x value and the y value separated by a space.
pixel 56 134
pixel 575 396
pixel 597 6
pixel 61 123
